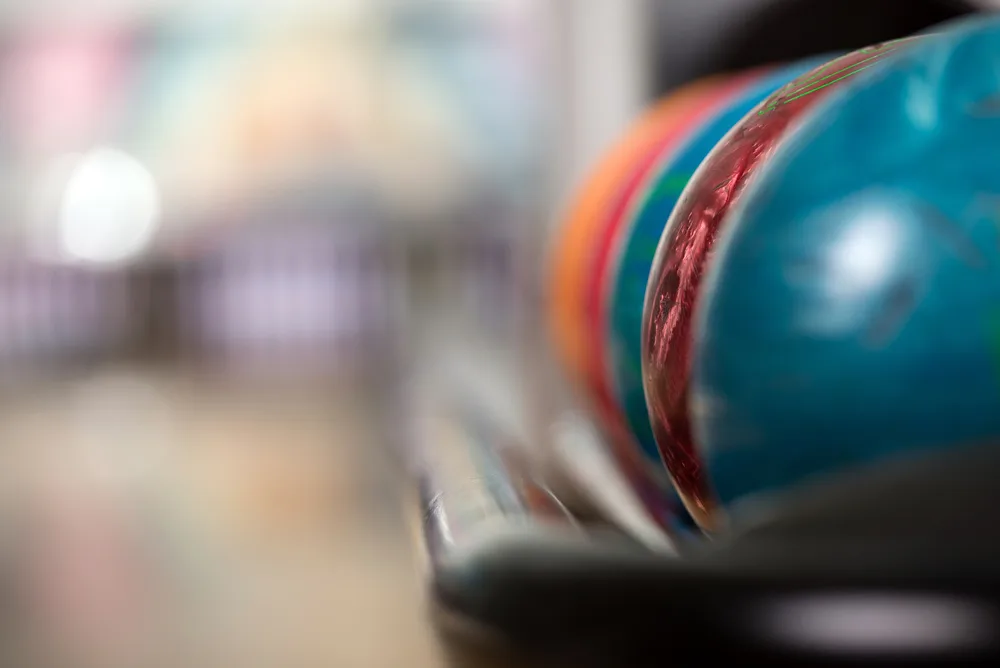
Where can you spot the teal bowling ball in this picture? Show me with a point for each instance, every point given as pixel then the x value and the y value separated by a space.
pixel 851 316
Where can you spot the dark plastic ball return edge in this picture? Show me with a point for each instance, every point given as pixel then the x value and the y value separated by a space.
pixel 896 565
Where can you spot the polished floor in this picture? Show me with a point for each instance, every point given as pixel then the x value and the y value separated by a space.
pixel 153 519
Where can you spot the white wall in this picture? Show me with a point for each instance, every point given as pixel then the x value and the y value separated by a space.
pixel 604 70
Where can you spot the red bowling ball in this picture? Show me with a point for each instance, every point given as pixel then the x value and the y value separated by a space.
pixel 685 247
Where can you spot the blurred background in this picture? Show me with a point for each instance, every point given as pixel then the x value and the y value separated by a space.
pixel 228 230
pixel 229 234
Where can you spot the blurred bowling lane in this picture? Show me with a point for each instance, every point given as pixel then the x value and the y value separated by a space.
pixel 150 518
pixel 155 519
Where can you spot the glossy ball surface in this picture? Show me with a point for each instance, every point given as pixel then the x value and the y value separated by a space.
pixel 688 108
pixel 621 276
pixel 676 277
pixel 582 242
pixel 852 315
pixel 575 243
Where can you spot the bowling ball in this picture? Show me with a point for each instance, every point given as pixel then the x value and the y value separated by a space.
pixel 604 252
pixel 851 317
pixel 588 229
pixel 588 214
pixel 621 271
pixel 597 231
pixel 687 240
pixel 617 232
